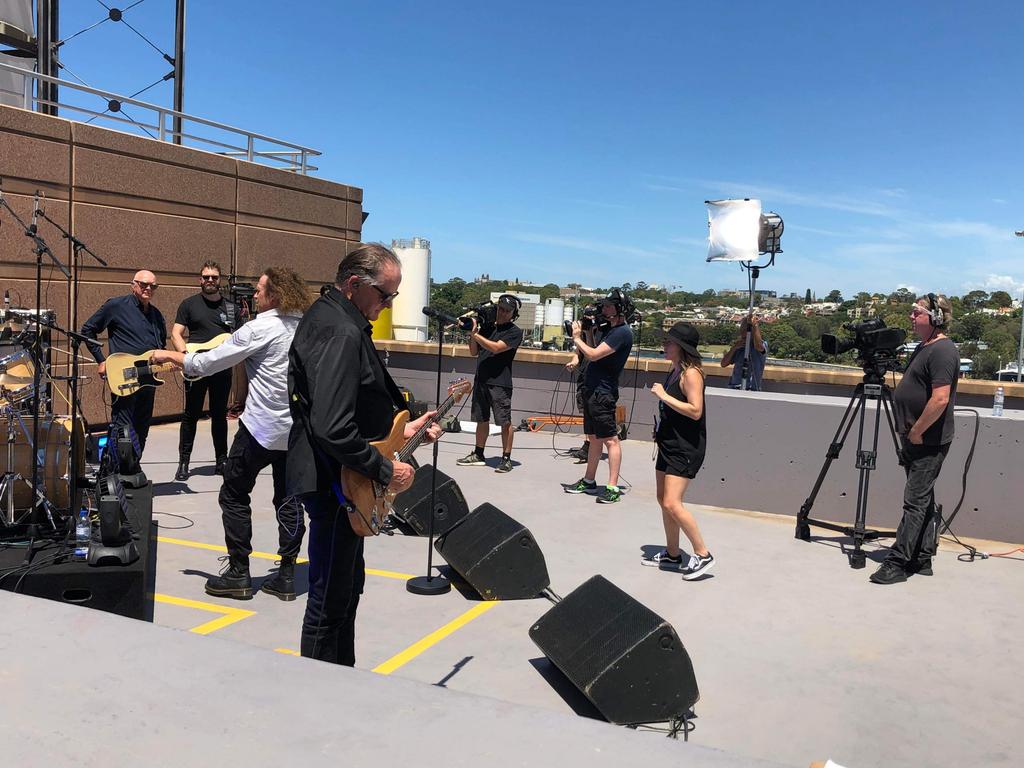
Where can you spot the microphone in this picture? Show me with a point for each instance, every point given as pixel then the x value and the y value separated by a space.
pixel 41 208
pixel 35 213
pixel 444 317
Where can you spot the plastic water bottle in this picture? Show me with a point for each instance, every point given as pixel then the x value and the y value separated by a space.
pixel 997 403
pixel 83 534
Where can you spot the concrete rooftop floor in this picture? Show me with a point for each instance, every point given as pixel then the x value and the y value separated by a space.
pixel 798 657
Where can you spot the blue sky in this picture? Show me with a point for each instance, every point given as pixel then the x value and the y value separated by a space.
pixel 576 141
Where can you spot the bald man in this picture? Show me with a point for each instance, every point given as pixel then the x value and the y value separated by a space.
pixel 134 326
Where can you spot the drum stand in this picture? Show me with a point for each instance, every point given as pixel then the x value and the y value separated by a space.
pixel 11 478
pixel 41 249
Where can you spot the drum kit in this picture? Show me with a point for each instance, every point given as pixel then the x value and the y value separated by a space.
pixel 24 347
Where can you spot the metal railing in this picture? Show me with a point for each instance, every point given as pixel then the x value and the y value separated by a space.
pixel 255 147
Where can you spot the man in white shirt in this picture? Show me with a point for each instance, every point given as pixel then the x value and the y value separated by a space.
pixel 262 436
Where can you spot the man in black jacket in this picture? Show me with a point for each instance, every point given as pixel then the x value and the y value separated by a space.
pixel 341 398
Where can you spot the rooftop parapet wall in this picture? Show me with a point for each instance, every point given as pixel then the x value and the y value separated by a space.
pixel 765 449
pixel 145 204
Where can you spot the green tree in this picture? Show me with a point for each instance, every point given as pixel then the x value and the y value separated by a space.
pixel 975 300
pixel 835 296
pixel 863 299
pixel 999 299
pixel 807 296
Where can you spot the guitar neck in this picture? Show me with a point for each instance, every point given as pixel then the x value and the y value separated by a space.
pixel 414 441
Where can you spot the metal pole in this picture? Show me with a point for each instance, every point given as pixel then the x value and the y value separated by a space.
pixel 1020 347
pixel 179 67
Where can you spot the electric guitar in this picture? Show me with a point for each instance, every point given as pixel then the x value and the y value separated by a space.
pixel 127 373
pixel 370 501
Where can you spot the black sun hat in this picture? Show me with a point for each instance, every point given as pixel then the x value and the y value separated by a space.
pixel 683 334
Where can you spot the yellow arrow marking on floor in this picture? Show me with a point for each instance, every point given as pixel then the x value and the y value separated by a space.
pixel 230 615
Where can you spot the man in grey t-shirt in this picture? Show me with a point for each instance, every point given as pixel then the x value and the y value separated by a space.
pixel 924 401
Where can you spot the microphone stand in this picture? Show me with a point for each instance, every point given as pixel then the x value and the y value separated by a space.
pixel 431 584
pixel 75 339
pixel 40 248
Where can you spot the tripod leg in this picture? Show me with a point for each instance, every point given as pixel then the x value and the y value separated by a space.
pixel 855 405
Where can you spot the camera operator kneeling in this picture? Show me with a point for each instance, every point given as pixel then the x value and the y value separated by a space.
pixel 601 394
pixel 495 347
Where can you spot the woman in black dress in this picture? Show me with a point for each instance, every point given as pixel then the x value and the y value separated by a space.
pixel 681 438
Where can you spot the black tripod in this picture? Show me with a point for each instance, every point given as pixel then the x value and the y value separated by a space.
pixel 873 387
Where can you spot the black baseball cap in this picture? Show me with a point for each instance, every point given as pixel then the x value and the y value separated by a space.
pixel 683 334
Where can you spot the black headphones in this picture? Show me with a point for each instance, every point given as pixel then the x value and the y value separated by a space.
pixel 508 298
pixel 936 316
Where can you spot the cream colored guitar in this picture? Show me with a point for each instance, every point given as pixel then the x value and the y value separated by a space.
pixel 127 374
pixel 372 501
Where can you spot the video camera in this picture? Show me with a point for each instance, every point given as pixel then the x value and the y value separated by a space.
pixel 591 316
pixel 876 344
pixel 486 313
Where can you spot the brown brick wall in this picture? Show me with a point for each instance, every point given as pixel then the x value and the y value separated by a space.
pixel 145 204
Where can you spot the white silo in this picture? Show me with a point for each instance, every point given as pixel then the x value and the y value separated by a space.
pixel 554 311
pixel 407 318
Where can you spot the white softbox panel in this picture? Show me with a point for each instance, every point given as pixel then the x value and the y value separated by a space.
pixel 733 228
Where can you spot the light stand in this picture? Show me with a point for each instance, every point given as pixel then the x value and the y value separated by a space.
pixel 38 363
pixel 734 225
pixel 431 584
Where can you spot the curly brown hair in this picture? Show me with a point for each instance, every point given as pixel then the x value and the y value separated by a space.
pixel 289 289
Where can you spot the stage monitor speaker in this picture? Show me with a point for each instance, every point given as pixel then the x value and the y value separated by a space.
pixel 497 555
pixel 620 654
pixel 412 506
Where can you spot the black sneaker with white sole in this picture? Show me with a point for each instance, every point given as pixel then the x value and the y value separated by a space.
pixel 663 560
pixel 697 566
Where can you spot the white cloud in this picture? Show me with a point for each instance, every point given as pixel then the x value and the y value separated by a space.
pixel 977 229
pixel 1007 283
pixel 597 247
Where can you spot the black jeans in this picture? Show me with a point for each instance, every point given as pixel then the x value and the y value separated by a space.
pixel 245 461
pixel 219 387
pixel 916 537
pixel 337 573
pixel 135 411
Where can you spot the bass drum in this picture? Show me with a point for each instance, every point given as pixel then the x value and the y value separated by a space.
pixel 55 472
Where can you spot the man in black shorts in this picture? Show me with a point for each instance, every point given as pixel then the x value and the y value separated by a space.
pixel 600 396
pixel 203 316
pixel 924 400
pixel 495 347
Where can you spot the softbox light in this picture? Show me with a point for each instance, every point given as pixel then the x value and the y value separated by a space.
pixel 734 227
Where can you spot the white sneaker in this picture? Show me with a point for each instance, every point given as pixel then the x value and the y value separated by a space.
pixel 697 566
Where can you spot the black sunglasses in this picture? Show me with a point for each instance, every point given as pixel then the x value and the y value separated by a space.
pixel 146 286
pixel 385 297
pixel 209 278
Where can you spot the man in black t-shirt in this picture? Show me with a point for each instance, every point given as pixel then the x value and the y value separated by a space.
pixel 606 358
pixel 924 401
pixel 203 316
pixel 495 348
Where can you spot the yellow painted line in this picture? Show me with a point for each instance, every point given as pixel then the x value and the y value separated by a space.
pixel 288 651
pixel 219 548
pixel 268 556
pixel 414 650
pixel 230 615
pixel 389 574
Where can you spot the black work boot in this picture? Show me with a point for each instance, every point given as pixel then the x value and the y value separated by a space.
pixel 282 585
pixel 233 581
pixel 218 467
pixel 182 473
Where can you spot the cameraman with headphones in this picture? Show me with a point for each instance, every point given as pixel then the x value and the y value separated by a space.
pixel 605 361
pixel 924 401
pixel 495 347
